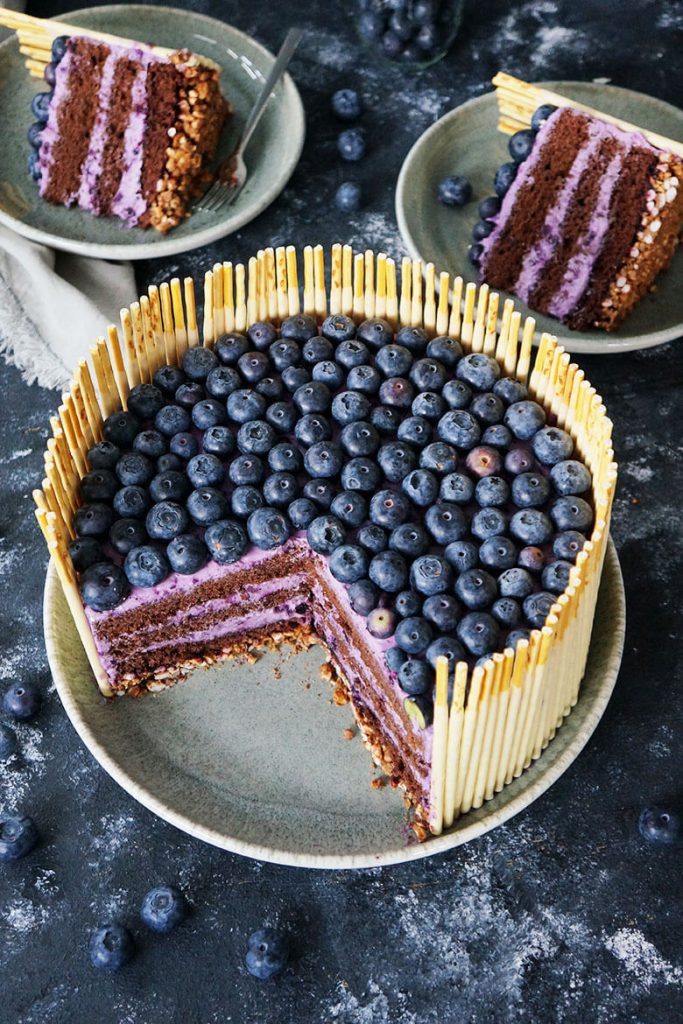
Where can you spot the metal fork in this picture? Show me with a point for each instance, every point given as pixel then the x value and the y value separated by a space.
pixel 231 176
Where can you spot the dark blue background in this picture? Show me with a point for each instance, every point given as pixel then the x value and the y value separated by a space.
pixel 564 914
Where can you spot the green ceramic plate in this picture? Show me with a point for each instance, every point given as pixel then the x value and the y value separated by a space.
pixel 252 758
pixel 271 156
pixel 467 141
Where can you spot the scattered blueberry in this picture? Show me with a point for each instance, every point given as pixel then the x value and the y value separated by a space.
pixel 521 144
pixel 163 907
pixel 111 947
pixel 349 197
pixel 21 701
pixel 267 953
pixel 18 836
pixel 455 190
pixel 350 144
pixel 505 175
pixel 660 825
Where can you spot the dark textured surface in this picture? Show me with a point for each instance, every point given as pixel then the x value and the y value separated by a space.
pixel 564 914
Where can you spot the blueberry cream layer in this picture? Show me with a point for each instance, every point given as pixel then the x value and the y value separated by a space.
pixel 589 216
pixel 124 132
pixel 383 495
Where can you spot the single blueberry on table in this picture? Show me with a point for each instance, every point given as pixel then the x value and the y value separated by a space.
pixel 359 439
pixel 479 633
pixel 443 611
pixel 415 430
pixel 520 144
pixel 498 553
pixel 349 197
pixel 206 505
pixel 446 522
pixel 93 520
pixel 484 461
pixel 84 552
pixel 226 541
pixel 396 460
pixel 373 538
pixel 462 555
pixel 22 701
pixel 320 491
pixel 103 586
pixel 363 595
pixel 571 513
pixel 132 501
pixel 570 477
pixel 415 677
pixel 661 825
pixel 381 623
pixel 163 907
pixel 455 190
pixel 531 526
pixel 111 947
pixel 541 115
pixel 351 144
pixel 515 583
pixel 431 574
pixel 392 47
pixel 166 520
pixel 145 566
pixel 504 177
pixel 186 554
pixel 407 604
pixel 537 608
pixel 280 489
pixel 492 490
pixel 244 500
pixel 476 588
pixel 145 401
pixel 18 836
pixel 439 457
pixel 394 360
pixel 389 508
pixel 246 469
pixel 389 572
pixel 267 528
pixel 351 507
pixel 410 539
pixel 8 742
pixel 488 522
pixel 481 230
pixel 127 534
pixel 120 429
pixel 168 379
pixel 325 533
pixel 198 362
pixel 267 953
pixel 555 577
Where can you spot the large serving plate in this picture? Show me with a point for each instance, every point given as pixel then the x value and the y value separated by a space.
pixel 467 141
pixel 252 758
pixel 271 156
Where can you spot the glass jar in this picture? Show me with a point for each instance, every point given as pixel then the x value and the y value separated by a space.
pixel 416 32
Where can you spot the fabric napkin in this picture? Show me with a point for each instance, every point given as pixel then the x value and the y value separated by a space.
pixel 54 305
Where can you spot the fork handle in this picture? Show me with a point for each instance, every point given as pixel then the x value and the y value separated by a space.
pixel 276 72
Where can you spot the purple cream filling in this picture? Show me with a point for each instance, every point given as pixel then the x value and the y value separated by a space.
pixel 92 165
pixel 129 204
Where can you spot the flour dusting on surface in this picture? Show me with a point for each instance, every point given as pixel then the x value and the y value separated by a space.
pixel 642 959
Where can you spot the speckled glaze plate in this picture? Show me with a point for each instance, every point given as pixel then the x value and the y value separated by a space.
pixel 467 141
pixel 271 156
pixel 252 758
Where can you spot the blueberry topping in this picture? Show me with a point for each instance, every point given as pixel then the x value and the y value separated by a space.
pixel 198 362
pixel 126 534
pixel 415 677
pixel 103 586
pixel 84 552
pixel 146 566
pixel 121 428
pixel 111 947
pixel 431 574
pixel 150 443
pixel 455 190
pixel 419 710
pixel 492 490
pixel 462 555
pixel 245 500
pixel 571 513
pixel 325 533
pixel 515 583
pixel 18 836
pixel 205 505
pixel 40 105
pixel 407 604
pixel 498 553
pixel 168 379
pixel 93 520
pixel 186 554
pixel 363 595
pixel 373 538
pixel 531 558
pixel 413 635
pixel 226 541
pixel 163 908
pixel 530 490
pixel 350 507
pixel 381 623
pixel 301 513
pixel 531 526
pixel 570 477
pixel 376 333
pixel 445 647
pixel 394 658
pixel 388 571
pixel 132 502
pixel 476 588
pixel 443 611
pixel 537 608
pixel 479 633
pixel 567 545
pixel 524 419
pixel 261 335
pixel 133 470
pixel 410 539
pixel 338 327
pixel 267 953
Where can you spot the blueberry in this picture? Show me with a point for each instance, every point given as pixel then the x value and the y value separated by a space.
pixel 530 490
pixel 145 401
pixel 552 445
pixel 524 419
pixel 410 539
pixel 301 513
pixel 133 469
pixel 321 492
pixel 462 555
pixel 571 513
pixel 505 175
pixel 531 526
pixel 323 459
pixel 351 353
pixel 431 574
pixel 329 373
pixel 99 485
pixel 482 229
pixel 8 742
pixel 284 353
pixel 394 658
pixel 104 455
pixel 208 413
pixel 476 588
pixel 532 559
pixel 397 392
pixel 349 407
pixel 22 700
pixel 521 144
pixel 170 420
pixel 506 611
pixel 348 198
pixel 93 520
pixel 282 416
pixel 389 508
pixel 170 486
pixel 510 390
pixel 184 444
pixel 415 677
pixel 126 534
pixel 261 334
pixel 568 544
pixel 267 953
pixel 520 460
pixel 488 522
pixel 285 458
pixel 488 408
pixel 253 366
pixel 498 553
pixel 145 566
pixel 429 406
pixel 111 947
pixel 150 443
pixel 84 552
pixel 479 632
pixel 428 374
pixel 415 430
pixel 120 429
pixel 312 397
pixel 455 190
pixel 246 469
pixel 388 571
pixel 186 554
pixel 420 710
pixel 205 471
pixel 421 487
pixel 515 635
pixel 363 594
pixel 244 500
pixel 271 388
pixel 338 328
pixel 407 604
pixel 439 457
pixel 351 507
pixel 459 428
pixel 103 586
pixel 394 360
pixel 413 635
pixel 401 24
pixel 385 419
pixel 255 437
pixel 226 541
pixel 484 461
pixel 168 462
pixel 206 505
pixel 396 460
pixel 163 907
pixel 392 46
pixel 360 474
pixel 373 538
pixel 168 379
pixel 359 438
pixel 351 144
pixel 280 489
pixel 312 428
pixel 445 647
pixel 381 623
pixel 555 577
pixel 166 520
pixel 132 501
pixel 375 332
pixel 446 522
pixel 516 583
pixel 40 105
pixel 475 253
pixel 245 405
pixel 443 611
pixel 492 490
pixel 325 534
pixel 349 563
pixel 59 47
pixel 457 394
pixel 660 825
pixel 489 207
pixel 198 362
pixel 478 371
pixel 541 115
pixel 364 378
pixel 18 836
pixel 537 608
pixel 267 528
pixel 570 477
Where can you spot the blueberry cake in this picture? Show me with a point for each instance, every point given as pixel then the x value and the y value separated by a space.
pixel 385 491
pixel 125 132
pixel 585 217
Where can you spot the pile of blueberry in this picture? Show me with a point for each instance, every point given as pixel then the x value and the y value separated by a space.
pixel 519 146
pixel 442 499
pixel 410 31
pixel 40 106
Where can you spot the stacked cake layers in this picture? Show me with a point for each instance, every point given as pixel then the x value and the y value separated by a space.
pixel 592 216
pixel 128 133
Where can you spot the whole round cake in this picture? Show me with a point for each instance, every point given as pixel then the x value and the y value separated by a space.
pixel 388 478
